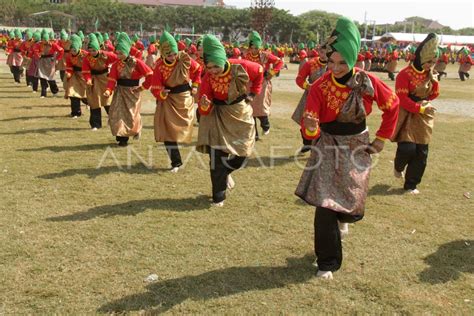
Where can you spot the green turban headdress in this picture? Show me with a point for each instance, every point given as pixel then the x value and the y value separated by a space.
pixel 345 39
pixel 76 42
pixel 124 44
pixel 213 51
pixel 64 36
pixel 255 39
pixel 168 44
pixel 93 42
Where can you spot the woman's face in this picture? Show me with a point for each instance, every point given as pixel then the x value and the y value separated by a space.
pixel 214 69
pixel 74 51
pixel 93 52
pixel 121 55
pixel 428 65
pixel 337 65
pixel 254 50
pixel 171 57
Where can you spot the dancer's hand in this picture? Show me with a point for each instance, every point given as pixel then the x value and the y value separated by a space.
pixel 138 89
pixel 68 75
pixel 164 93
pixel 310 122
pixel 194 90
pixel 107 93
pixel 376 146
pixel 204 103
pixel 429 110
pixel 89 83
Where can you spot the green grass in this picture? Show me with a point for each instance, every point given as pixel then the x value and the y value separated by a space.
pixel 80 239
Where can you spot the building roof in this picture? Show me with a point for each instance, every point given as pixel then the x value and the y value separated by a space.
pixel 419 37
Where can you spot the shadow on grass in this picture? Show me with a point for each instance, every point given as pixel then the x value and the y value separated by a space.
pixel 269 162
pixel 56 149
pixel 16 97
pixel 384 189
pixel 95 172
pixel 30 107
pixel 448 262
pixel 24 118
pixel 133 208
pixel 164 295
pixel 45 131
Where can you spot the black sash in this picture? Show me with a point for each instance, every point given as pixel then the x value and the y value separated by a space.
pixel 47 56
pixel 222 102
pixel 75 68
pixel 340 128
pixel 99 72
pixel 179 89
pixel 128 82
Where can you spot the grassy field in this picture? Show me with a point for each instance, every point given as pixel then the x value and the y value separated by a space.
pixel 79 238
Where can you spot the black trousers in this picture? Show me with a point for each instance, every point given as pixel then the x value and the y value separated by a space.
pixel 75 107
pixel 463 75
pixel 391 75
pixel 122 139
pixel 222 165
pixel 95 119
pixel 62 73
pixel 327 237
pixel 174 154
pixel 16 71
pixel 52 85
pixel 34 83
pixel 414 157
pixel 264 124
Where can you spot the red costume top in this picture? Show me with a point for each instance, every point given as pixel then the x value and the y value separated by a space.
pixel 14 45
pixel 327 96
pixel 466 60
pixel 100 62
pixel 141 70
pixel 360 57
pixel 270 62
pixel 152 49
pixel 407 80
pixel 217 86
pixel 162 73
pixel 74 62
pixel 47 48
pixel 108 46
pixel 311 66
pixel 368 55
pixel 444 58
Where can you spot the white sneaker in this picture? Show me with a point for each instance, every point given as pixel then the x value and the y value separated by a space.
pixel 413 192
pixel 174 170
pixel 315 263
pixel 398 174
pixel 94 129
pixel 220 204
pixel 42 97
pixel 230 182
pixel 343 229
pixel 266 132
pixel 324 275
pixel 34 91
pixel 74 117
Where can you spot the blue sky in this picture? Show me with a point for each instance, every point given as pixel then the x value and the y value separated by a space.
pixel 454 13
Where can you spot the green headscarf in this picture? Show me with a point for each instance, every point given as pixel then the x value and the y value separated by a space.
pixel 64 35
pixel 213 51
pixel 255 39
pixel 29 34
pixel 177 37
pixel 76 42
pixel 45 36
pixel 188 41
pixel 236 44
pixel 81 35
pixel 124 44
pixel 52 36
pixel 106 36
pixel 37 36
pixel 93 42
pixel 168 44
pixel 99 38
pixel 18 33
pixel 301 46
pixel 199 42
pixel 345 39
pixel 135 38
pixel 311 44
pixel 152 39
